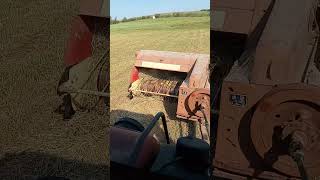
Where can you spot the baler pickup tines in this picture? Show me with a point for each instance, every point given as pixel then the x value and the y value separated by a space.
pixel 160 87
pixel 157 94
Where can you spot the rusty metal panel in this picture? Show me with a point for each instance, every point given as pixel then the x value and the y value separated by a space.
pixel 234 4
pixel 232 15
pixel 231 20
pixel 237 16
pixel 232 131
pixel 286 42
pixel 200 72
pixel 99 8
pixel 238 21
pixel 260 7
pixel 184 93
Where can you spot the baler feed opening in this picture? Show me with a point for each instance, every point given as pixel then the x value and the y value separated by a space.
pixel 162 83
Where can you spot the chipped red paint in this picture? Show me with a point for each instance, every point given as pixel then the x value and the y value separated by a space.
pixel 134 75
pixel 79 43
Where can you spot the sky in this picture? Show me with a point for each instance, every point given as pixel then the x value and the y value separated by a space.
pixel 135 8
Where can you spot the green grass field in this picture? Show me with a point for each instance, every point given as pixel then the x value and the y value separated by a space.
pixel 181 34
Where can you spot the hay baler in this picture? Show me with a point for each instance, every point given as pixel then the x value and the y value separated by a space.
pixel 88 41
pixel 184 76
pixel 269 109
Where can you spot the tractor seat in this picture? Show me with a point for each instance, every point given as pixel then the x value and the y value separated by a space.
pixel 123 142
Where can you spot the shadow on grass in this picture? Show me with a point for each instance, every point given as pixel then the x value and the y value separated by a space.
pixel 170 106
pixel 36 165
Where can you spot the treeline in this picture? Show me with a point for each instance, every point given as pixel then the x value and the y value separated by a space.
pixel 203 12
pixel 116 21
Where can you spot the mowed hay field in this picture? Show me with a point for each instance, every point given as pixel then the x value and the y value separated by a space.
pixel 34 140
pixel 180 34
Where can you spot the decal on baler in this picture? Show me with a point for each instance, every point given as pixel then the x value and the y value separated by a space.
pixel 238 100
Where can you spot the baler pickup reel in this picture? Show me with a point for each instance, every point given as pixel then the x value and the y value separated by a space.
pixel 182 76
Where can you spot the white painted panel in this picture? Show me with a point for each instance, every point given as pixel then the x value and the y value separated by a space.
pixel 172 67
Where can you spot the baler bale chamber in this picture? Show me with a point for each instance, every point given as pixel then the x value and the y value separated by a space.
pixel 180 76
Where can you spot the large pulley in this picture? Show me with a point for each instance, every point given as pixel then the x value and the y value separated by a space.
pixel 198 104
pixel 285 130
pixel 199 99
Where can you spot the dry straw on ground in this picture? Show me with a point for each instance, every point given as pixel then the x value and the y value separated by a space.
pixel 34 140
